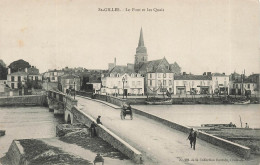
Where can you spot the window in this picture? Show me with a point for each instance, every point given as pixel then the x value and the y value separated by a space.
pixel 248 86
pixel 151 82
pixel 151 75
pixel 170 82
pixel 19 78
pixel 170 75
pixel 164 75
pixel 118 75
pixel 12 78
pixel 12 85
pixel 164 82
pixel 139 83
pixel 159 75
pixel 236 85
pixel 159 82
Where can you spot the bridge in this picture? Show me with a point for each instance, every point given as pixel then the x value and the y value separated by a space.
pixel 145 139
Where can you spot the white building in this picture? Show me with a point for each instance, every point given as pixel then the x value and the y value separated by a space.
pixel 192 84
pixel 53 75
pixel 122 78
pixel 220 83
pixel 17 79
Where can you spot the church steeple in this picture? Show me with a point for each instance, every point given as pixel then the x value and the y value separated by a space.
pixel 141 39
pixel 141 52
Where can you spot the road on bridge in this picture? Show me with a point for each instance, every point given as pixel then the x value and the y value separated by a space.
pixel 158 143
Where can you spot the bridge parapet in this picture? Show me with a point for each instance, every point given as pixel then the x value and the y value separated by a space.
pixel 60 102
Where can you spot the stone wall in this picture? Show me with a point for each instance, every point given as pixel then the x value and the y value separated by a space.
pixel 108 136
pixel 234 147
pixel 16 154
pixel 23 100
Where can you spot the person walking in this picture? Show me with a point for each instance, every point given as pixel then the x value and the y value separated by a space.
pixel 99 121
pixel 192 137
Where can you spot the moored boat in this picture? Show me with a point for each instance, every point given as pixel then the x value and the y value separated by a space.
pixel 160 102
pixel 242 102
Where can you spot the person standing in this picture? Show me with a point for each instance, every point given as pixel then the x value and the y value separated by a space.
pixel 98 120
pixel 192 137
pixel 93 129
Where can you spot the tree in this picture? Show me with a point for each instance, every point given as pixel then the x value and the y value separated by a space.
pixel 19 65
pixel 3 72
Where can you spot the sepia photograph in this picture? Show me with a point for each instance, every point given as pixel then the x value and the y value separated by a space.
pixel 156 82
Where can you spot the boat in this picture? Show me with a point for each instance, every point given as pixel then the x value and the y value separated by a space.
pixel 160 102
pixel 230 125
pixel 242 102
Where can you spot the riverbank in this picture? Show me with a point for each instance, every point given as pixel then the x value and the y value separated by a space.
pixel 75 146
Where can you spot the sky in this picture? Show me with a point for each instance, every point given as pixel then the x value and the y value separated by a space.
pixel 200 35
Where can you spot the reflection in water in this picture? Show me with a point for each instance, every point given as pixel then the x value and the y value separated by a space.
pixel 24 123
pixel 195 115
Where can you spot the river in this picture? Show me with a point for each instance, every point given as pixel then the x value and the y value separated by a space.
pixel 195 115
pixel 25 123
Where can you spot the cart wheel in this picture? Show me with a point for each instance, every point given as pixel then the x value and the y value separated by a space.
pixel 122 115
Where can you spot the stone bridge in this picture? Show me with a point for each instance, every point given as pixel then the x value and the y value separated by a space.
pixel 61 104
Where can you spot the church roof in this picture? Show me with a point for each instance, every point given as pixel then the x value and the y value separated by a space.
pixel 122 69
pixel 153 66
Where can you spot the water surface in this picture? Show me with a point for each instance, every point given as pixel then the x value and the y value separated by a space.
pixel 195 115
pixel 25 123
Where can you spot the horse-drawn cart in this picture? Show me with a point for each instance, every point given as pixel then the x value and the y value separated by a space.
pixel 126 110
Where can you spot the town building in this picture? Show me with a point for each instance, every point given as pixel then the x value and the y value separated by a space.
pixel 220 83
pixel 192 84
pixel 96 85
pixel 122 80
pixel 53 75
pixel 33 74
pixel 69 81
pixel 17 79
pixel 244 85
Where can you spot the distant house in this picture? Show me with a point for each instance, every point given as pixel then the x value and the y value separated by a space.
pixel 96 85
pixel 158 76
pixel 33 73
pixel 53 75
pixel 192 84
pixel 122 79
pixel 245 85
pixel 17 79
pixel 220 83
pixel 69 81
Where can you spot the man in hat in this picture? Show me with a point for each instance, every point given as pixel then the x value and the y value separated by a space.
pixel 192 137
pixel 98 120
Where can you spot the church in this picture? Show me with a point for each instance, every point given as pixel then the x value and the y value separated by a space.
pixel 156 76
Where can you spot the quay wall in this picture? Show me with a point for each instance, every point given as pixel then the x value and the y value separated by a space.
pixel 38 100
pixel 108 136
pixel 16 154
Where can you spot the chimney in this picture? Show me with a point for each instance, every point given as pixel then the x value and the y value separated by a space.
pixel 223 73
pixel 115 61
pixel 208 73
pixel 26 70
pixel 184 73
pixel 9 70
